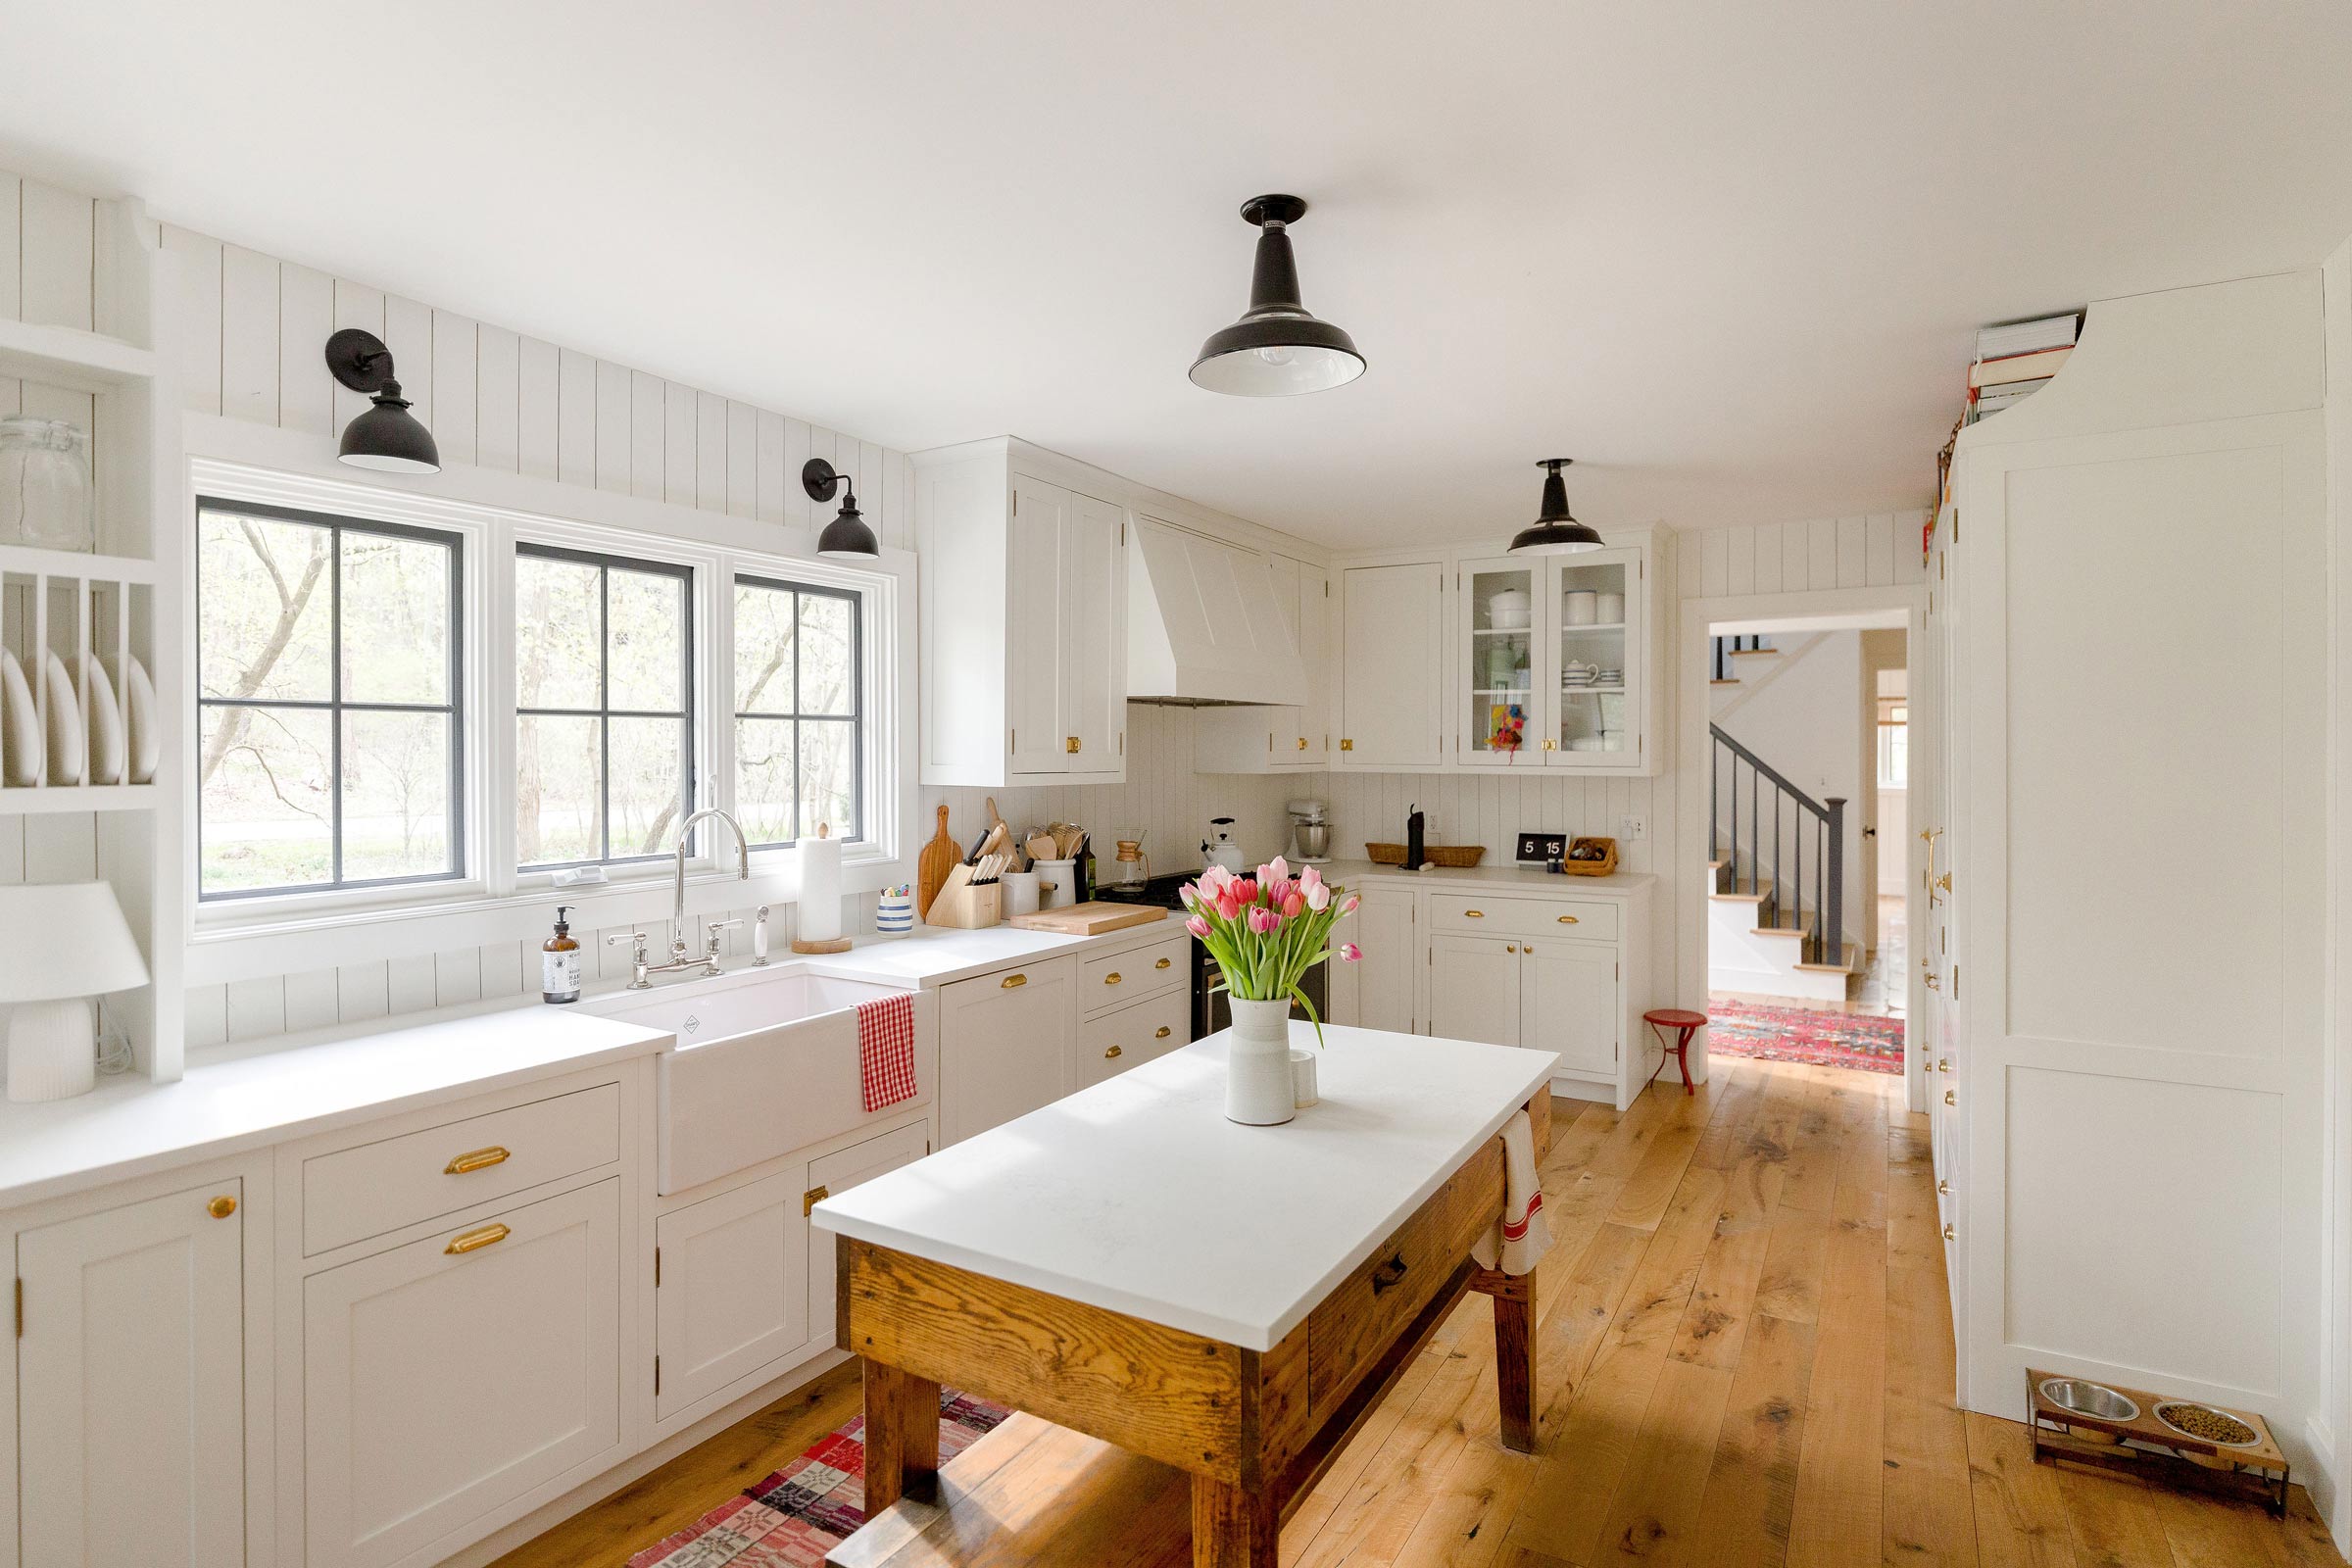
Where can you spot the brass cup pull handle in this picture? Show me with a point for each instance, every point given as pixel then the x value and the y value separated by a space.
pixel 474 1240
pixel 476 1159
pixel 1568 919
pixel 1388 1274
pixel 1012 980
pixel 1473 915
pixel 1163 963
pixel 1114 1053
pixel 1161 1034
pixel 1112 979
pixel 221 1208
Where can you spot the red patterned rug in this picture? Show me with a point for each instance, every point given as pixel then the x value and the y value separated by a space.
pixel 1793 1034
pixel 806 1509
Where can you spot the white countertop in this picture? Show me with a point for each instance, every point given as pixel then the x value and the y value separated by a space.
pixel 936 956
pixel 1526 878
pixel 1138 1195
pixel 128 1126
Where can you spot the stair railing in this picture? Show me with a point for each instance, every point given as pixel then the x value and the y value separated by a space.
pixel 1794 874
pixel 1726 647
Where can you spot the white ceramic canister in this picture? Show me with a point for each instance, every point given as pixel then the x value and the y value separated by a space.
pixel 1056 883
pixel 1581 607
pixel 1508 611
pixel 1609 609
pixel 1302 1079
pixel 1020 891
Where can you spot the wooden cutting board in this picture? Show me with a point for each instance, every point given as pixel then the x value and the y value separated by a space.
pixel 940 856
pixel 1089 919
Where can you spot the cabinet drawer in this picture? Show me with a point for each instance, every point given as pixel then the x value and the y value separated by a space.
pixel 354 1194
pixel 1587 919
pixel 1112 982
pixel 1112 1044
pixel 1367 1309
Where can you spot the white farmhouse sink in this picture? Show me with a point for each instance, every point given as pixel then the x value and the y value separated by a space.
pixel 767 1062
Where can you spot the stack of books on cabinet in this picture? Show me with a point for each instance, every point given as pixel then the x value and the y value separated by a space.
pixel 2017 360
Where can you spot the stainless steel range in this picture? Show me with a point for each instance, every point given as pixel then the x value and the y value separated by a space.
pixel 1209 1009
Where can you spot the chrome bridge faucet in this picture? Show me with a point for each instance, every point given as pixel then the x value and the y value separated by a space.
pixel 679 957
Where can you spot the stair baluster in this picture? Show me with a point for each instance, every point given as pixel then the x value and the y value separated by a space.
pixel 1824 935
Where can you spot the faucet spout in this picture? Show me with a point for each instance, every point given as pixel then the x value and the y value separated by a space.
pixel 743 871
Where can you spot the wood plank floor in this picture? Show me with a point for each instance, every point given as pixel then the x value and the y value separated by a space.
pixel 1746 1358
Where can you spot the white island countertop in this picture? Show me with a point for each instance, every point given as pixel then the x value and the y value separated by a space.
pixel 1139 1197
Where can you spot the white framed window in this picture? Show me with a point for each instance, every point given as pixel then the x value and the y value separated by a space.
pixel 1894 745
pixel 799 711
pixel 330 743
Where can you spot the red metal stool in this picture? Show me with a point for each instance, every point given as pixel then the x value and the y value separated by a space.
pixel 1688 1023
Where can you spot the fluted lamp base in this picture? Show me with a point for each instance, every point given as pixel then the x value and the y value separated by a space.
pixel 52 1050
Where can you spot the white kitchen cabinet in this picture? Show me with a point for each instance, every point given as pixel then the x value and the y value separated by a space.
pixel 1113 1043
pixel 1378 991
pixel 1571 1000
pixel 130 1386
pixel 1391 653
pixel 1474 989
pixel 838 1172
pixel 1023 606
pixel 1005 1043
pixel 731 1287
pixel 450 1376
pixel 1280 739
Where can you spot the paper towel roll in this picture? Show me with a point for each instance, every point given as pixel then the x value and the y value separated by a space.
pixel 818 916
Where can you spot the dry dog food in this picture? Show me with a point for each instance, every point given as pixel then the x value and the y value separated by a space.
pixel 2211 1425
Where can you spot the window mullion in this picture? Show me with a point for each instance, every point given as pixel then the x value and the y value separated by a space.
pixel 334 692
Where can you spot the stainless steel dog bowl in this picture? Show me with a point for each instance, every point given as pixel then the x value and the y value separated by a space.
pixel 2252 1440
pixel 2085 1398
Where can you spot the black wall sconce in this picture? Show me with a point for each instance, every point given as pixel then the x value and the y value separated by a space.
pixel 846 537
pixel 385 437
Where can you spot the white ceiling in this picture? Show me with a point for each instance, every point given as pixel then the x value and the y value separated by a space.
pixel 1728 256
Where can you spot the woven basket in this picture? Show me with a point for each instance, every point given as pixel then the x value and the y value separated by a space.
pixel 1601 867
pixel 1460 856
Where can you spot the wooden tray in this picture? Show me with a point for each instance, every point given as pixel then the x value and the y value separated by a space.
pixel 2147 1445
pixel 1603 866
pixel 1456 857
pixel 1089 919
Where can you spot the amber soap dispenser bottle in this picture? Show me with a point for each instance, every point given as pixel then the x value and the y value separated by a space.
pixel 559 962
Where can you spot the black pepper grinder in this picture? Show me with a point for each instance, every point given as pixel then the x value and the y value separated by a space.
pixel 1414 827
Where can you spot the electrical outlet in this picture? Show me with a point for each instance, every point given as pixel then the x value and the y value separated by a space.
pixel 1635 829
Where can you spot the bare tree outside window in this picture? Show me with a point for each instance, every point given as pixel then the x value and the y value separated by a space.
pixel 799 727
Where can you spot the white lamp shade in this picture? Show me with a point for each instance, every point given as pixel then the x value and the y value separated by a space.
pixel 63 940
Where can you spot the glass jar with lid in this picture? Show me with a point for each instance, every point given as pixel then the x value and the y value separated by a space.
pixel 45 484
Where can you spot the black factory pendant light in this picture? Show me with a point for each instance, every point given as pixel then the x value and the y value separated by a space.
pixel 1556 532
pixel 386 436
pixel 846 537
pixel 1275 350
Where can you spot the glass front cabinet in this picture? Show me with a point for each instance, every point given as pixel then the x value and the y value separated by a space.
pixel 1553 661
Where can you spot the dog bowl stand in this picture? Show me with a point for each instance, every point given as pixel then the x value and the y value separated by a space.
pixel 2146 1447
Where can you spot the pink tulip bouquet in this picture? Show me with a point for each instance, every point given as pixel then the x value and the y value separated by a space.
pixel 1266 931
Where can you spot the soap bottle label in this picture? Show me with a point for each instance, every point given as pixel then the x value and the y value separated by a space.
pixel 560 975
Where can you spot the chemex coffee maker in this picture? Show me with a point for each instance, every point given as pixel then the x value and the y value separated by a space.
pixel 1311 833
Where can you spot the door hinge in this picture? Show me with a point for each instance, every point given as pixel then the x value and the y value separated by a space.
pixel 657 1377
pixel 1016 502
pixel 20 1308
pixel 1122 533
pixel 1122 743
pixel 812 1197
pixel 656 1268
pixel 1955 982
pixel 1955 525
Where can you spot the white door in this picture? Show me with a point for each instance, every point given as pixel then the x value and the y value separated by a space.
pixel 1312 629
pixel 445 1379
pixel 1568 1002
pixel 1092 619
pixel 1595 618
pixel 835 1173
pixel 1005 1045
pixel 1391 665
pixel 1384 928
pixel 1036 590
pixel 1474 989
pixel 130 1399
pixel 731 1288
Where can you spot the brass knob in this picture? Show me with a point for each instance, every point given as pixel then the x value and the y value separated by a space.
pixel 221 1208
pixel 476 1159
pixel 1949 1234
pixel 1303 743
pixel 1012 980
pixel 1944 881
pixel 1162 1033
pixel 474 1240
pixel 1943 1189
pixel 1951 1097
pixel 1509 947
pixel 1112 979
pixel 1111 1055
pixel 1071 744
pixel 1551 745
pixel 1346 745
pixel 1943 1064
pixel 1163 963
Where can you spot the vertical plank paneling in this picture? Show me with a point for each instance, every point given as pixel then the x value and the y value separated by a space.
pixel 742 461
pixel 798 510
pixel 195 326
pixel 409 334
pixel 1739 560
pixel 1821 561
pixel 311 999
pixel 458 976
pixel 648 434
pixel 256 1008
pixel 207 1016
pixel 555 414
pixel 614 396
pixel 363 991
pixel 1878 552
pixel 63 848
pixel 410 983
pixel 1687 572
pixel 676 435
pixel 1767 554
pixel 503 969
pixel 306 319
pixel 1852 562
pixel 1714 564
pixel 57 256
pixel 772 478
pixel 457 394
pixel 710 453
pixel 1908 528
pixel 250 316
pixel 357 306
pixel 1796 557
pixel 497 400
pixel 11 244
pixel 585 396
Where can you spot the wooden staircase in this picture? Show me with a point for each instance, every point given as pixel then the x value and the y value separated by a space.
pixel 1776 882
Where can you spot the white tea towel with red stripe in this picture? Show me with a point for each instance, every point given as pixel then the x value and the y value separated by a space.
pixel 886 1050
pixel 1520 1235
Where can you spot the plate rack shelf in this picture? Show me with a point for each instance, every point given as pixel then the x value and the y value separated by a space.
pixel 69 618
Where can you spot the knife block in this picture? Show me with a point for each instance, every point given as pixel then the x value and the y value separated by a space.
pixel 967 904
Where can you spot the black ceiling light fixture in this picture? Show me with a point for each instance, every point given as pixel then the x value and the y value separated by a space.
pixel 1556 532
pixel 386 436
pixel 1275 350
pixel 846 537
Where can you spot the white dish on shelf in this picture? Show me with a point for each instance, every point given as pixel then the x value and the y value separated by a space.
pixel 65 724
pixel 19 726
pixel 102 724
pixel 138 697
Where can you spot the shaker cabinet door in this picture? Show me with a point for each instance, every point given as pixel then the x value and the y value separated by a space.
pixel 1474 989
pixel 732 1289
pixel 1391 665
pixel 1005 1045
pixel 1568 1000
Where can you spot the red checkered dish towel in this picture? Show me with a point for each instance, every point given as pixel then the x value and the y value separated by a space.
pixel 886 1050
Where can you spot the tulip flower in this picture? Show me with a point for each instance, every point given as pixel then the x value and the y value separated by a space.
pixel 1309 877
pixel 1197 926
pixel 1294 906
pixel 1274 870
pixel 1246 889
pixel 1229 903
pixel 1348 904
pixel 1349 951
pixel 1316 893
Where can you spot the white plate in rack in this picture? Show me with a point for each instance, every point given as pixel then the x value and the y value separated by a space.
pixel 19 726
pixel 64 724
pixel 136 694
pixel 102 724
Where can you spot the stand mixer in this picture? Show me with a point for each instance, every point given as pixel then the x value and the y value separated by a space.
pixel 1311 833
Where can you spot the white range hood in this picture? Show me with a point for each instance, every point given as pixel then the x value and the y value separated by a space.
pixel 1204 624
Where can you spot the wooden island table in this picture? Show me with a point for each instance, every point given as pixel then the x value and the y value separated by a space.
pixel 1227 1301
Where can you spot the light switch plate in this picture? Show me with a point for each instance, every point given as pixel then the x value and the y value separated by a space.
pixel 1634 829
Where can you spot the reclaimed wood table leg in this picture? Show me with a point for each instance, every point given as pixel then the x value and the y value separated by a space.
pixel 1514 1353
pixel 1233 1527
pixel 902 1437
